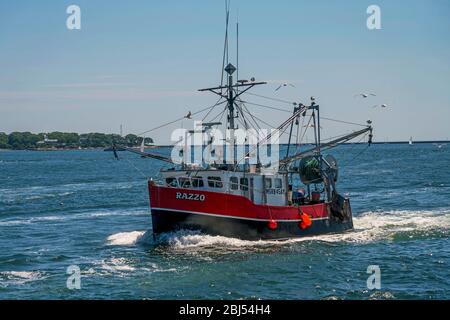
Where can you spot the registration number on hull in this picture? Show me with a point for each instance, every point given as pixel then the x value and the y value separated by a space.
pixel 190 196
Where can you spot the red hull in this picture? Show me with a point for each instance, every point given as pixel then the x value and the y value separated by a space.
pixel 174 208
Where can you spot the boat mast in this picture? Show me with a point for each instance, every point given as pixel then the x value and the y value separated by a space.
pixel 230 69
pixel 290 132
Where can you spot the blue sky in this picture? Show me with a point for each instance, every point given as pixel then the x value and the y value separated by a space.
pixel 139 63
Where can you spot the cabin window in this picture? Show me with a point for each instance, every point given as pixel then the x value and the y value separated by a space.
pixel 197 182
pixel 278 183
pixel 184 182
pixel 244 184
pixel 215 182
pixel 268 183
pixel 234 183
pixel 172 182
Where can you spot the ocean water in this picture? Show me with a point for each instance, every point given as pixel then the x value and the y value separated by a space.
pixel 84 209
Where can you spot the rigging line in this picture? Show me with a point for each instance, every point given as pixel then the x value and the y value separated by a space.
pixel 262 121
pixel 213 107
pixel 267 107
pixel 282 133
pixel 362 151
pixel 352 147
pixel 277 129
pixel 243 106
pixel 220 114
pixel 332 138
pixel 246 124
pixel 270 98
pixel 139 171
pixel 291 136
pixel 136 168
pixel 241 122
pixel 300 130
pixel 347 160
pixel 254 120
pixel 179 119
pixel 328 146
pixel 306 128
pixel 244 113
pixel 253 116
pixel 190 134
pixel 346 122
pixel 281 127
pixel 243 116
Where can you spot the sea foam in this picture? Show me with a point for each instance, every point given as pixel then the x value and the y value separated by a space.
pixel 125 238
pixel 368 227
pixel 8 278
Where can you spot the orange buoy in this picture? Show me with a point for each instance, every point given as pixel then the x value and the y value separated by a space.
pixel 273 225
pixel 306 221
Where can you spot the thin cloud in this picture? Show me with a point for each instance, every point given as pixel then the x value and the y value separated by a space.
pixel 88 85
pixel 94 95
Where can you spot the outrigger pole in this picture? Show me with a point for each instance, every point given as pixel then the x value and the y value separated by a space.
pixel 328 145
pixel 149 155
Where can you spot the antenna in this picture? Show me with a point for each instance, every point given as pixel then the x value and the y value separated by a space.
pixel 225 45
pixel 237 46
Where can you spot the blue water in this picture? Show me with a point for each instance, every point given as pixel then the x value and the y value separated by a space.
pixel 59 209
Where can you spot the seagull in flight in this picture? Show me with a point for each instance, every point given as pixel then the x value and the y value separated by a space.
pixel 189 115
pixel 382 106
pixel 312 125
pixel 284 85
pixel 365 95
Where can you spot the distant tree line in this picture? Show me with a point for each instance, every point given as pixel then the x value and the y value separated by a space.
pixel 28 140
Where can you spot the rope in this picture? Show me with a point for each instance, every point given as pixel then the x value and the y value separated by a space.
pixel 137 169
pixel 267 107
pixel 270 98
pixel 306 128
pixel 179 119
pixel 212 109
pixel 220 114
pixel 144 197
pixel 347 160
pixel 341 121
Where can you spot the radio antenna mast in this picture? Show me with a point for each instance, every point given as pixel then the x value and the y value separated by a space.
pixel 225 45
pixel 237 46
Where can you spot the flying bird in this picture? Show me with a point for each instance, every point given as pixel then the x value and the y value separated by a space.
pixel 312 125
pixel 382 106
pixel 284 85
pixel 189 115
pixel 365 95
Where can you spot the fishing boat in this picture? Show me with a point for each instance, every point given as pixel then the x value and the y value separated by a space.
pixel 293 196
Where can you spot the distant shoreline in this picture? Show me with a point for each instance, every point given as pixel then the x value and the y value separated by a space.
pixel 414 142
pixel 170 146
